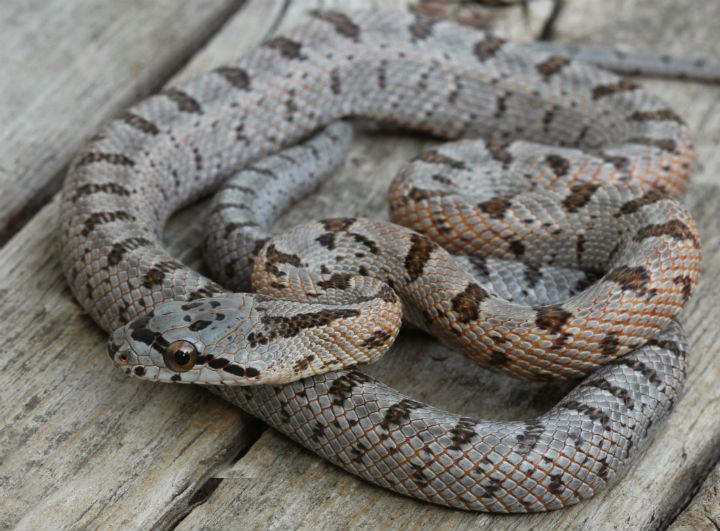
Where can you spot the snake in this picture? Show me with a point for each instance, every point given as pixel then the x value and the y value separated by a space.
pixel 545 241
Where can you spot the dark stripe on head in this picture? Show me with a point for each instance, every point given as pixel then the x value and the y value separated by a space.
pixel 290 326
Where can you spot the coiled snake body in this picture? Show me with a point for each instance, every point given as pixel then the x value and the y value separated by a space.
pixel 577 170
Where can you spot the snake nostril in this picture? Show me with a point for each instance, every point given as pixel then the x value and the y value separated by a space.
pixel 112 349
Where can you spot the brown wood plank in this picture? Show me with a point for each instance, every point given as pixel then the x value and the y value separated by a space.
pixel 68 65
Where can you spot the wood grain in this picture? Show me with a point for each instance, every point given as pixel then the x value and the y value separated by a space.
pixel 703 512
pixel 69 65
pixel 82 446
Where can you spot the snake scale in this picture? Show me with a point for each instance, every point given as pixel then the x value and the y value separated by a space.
pixel 577 256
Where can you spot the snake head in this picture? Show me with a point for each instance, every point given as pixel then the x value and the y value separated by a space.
pixel 182 341
pixel 252 339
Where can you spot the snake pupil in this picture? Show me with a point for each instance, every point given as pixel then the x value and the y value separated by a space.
pixel 180 356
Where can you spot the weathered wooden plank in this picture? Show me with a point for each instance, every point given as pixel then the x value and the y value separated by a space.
pixel 66 66
pixel 83 446
pixel 79 447
pixel 280 485
pixel 703 513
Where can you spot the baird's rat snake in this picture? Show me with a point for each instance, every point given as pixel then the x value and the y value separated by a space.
pixel 579 171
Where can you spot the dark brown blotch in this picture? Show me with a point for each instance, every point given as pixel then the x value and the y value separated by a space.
pixel 631 279
pixel 336 281
pixel 616 391
pixel 552 65
pixel 140 123
pixel 399 413
pixel 119 249
pixel 579 196
pixel 675 229
pixel 237 77
pixel 99 218
pixel 496 207
pixel 600 91
pixel 594 413
pixel 183 100
pixel 342 388
pixel 117 159
pixel 419 254
pixel 609 345
pixel 337 224
pixel 466 304
pixel 687 286
pixel 660 115
pixel 367 242
pixel 273 257
pixel 342 23
pixel 335 84
pixel 558 164
pixel 462 434
pixel 666 144
pixel 488 47
pixel 377 339
pixel 552 318
pixel 421 27
pixel 632 206
pixel 530 436
pixel 432 156
pixel 288 48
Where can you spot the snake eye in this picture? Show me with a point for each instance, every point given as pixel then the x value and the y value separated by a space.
pixel 180 356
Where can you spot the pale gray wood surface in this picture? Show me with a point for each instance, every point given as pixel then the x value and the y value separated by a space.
pixel 66 65
pixel 82 446
pixel 703 512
